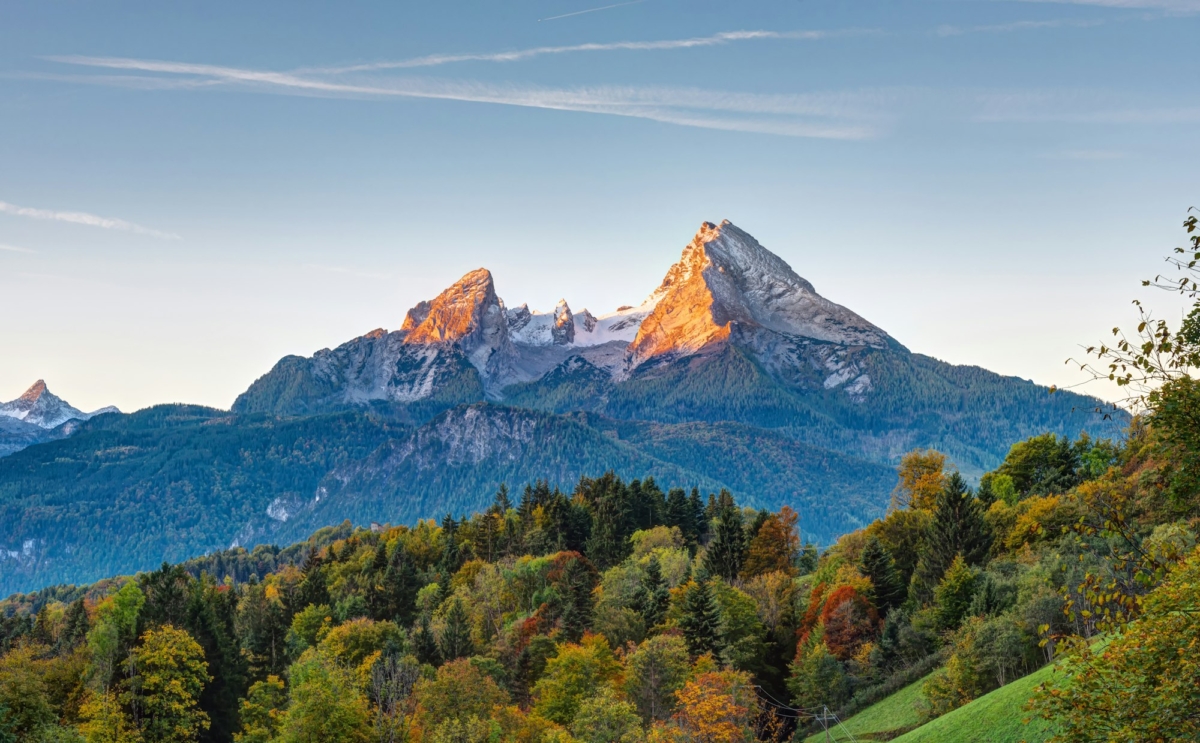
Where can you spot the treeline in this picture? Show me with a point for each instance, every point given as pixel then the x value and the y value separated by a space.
pixel 616 611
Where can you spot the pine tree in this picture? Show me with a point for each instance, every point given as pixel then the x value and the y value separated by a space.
pixel 211 622
pixel 699 517
pixel 958 528
pixel 653 597
pixel 502 503
pixel 576 586
pixel 887 592
pixel 424 645
pixel 954 594
pixel 727 550
pixel 701 620
pixel 677 513
pixel 609 543
pixel 456 636
pixel 75 626
pixel 452 556
pixel 646 506
pixel 43 632
pixel 807 561
pixel 313 591
pixel 399 587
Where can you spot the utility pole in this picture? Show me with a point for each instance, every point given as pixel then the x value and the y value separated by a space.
pixel 825 721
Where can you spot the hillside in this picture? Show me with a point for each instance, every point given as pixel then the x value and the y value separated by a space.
pixel 880 721
pixel 997 717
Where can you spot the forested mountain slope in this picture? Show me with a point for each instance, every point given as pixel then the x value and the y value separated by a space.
pixel 734 373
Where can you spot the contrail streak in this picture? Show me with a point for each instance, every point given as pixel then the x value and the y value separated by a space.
pixel 830 116
pixel 725 37
pixel 591 10
pixel 84 218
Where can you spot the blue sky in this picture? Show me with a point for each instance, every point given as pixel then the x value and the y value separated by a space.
pixel 190 191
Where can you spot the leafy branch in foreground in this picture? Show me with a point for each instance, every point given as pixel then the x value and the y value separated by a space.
pixel 1154 354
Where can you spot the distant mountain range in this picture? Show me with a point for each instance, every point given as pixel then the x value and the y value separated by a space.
pixel 734 373
pixel 39 415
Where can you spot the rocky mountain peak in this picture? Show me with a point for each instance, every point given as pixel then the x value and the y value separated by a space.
pixel 41 407
pixel 468 307
pixel 563 330
pixel 468 315
pixel 726 278
pixel 34 392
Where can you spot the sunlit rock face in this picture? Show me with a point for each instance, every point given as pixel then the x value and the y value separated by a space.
pixel 468 314
pixel 726 279
pixel 466 344
pixel 39 415
pixel 40 407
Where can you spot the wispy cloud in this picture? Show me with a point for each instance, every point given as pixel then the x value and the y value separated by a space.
pixel 84 218
pixel 725 37
pixel 833 116
pixel 1170 6
pixel 347 271
pixel 15 249
pixel 1078 107
pixel 1086 155
pixel 591 10
pixel 947 30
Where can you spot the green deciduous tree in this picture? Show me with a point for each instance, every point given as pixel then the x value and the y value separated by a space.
pixel 324 704
pixel 170 674
pixel 654 672
pixel 104 721
pixel 23 693
pixel 572 676
pixel 606 718
pixel 114 632
pixel 262 711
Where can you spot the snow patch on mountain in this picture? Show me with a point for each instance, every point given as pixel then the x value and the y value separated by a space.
pixel 42 408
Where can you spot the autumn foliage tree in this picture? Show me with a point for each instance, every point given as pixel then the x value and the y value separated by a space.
pixel 1144 684
pixel 774 546
pixel 849 621
pixel 717 707
pixel 922 477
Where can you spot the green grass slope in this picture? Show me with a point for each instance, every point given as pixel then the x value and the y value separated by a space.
pixel 881 720
pixel 998 717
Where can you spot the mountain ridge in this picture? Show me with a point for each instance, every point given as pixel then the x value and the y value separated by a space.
pixel 733 373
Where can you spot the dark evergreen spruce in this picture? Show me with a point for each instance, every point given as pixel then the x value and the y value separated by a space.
pixel 701 620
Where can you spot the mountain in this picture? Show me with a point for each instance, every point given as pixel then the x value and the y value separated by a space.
pixel 38 415
pixel 731 334
pixel 734 373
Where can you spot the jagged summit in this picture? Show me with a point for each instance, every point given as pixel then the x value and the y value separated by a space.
pixel 725 289
pixel 725 278
pixel 463 309
pixel 41 407
pixel 34 392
